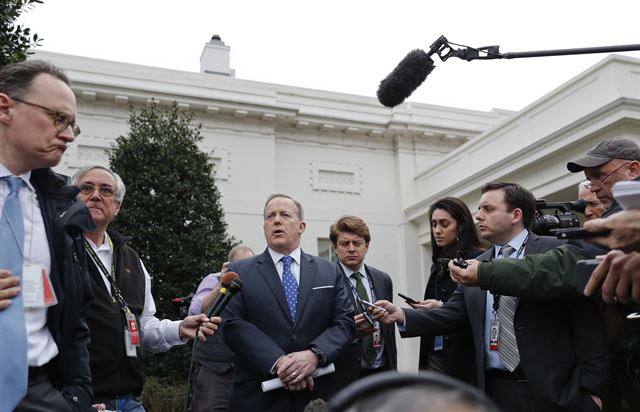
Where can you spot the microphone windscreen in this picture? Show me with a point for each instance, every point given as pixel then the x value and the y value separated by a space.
pixel 405 78
pixel 227 278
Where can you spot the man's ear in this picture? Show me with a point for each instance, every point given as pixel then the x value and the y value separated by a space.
pixel 517 215
pixel 634 168
pixel 6 103
pixel 302 227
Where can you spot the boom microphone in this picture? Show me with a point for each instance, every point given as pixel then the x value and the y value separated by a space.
pixel 410 73
pixel 225 282
pixel 234 287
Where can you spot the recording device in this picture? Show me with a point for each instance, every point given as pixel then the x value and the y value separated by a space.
pixel 182 304
pixel 412 71
pixel 564 216
pixel 408 75
pixel 579 233
pixel 230 285
pixel 407 298
pixel 458 261
pixel 369 304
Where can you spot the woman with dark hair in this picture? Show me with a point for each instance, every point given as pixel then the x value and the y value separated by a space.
pixel 452 233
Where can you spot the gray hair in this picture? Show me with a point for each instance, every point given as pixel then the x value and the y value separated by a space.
pixel 120 187
pixel 237 248
pixel 584 185
pixel 295 202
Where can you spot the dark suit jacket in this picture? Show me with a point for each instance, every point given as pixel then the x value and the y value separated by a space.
pixel 562 342
pixel 65 220
pixel 348 365
pixel 258 328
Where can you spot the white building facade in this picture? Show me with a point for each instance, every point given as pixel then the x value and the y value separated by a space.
pixel 345 154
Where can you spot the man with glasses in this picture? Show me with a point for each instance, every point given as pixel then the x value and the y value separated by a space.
pixel 121 315
pixel 44 286
pixel 553 274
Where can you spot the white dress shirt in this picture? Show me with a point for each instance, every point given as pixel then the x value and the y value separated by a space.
pixel 295 265
pixel 155 335
pixel 41 347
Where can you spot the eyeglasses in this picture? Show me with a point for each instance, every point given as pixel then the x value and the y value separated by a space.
pixel 61 120
pixel 105 191
pixel 600 180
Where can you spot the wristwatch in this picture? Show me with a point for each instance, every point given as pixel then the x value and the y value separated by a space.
pixel 322 358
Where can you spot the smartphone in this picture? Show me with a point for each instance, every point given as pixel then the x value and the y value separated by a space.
pixel 407 298
pixel 579 233
pixel 373 306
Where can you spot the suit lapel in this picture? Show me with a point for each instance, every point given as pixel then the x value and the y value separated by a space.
pixel 347 285
pixel 375 284
pixel 268 271
pixel 534 245
pixel 308 271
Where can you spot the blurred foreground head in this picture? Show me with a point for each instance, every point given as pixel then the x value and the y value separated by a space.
pixel 423 392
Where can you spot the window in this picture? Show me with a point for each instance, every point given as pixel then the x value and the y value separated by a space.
pixel 325 249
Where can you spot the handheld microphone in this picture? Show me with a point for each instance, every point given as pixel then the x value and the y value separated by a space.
pixel 408 75
pixel 225 282
pixel 233 288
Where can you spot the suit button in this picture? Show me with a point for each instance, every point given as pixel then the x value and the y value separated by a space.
pixel 294 337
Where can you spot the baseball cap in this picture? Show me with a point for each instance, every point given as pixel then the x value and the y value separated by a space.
pixel 614 148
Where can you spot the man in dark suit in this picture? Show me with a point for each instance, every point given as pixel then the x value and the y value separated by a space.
pixel 292 316
pixel 531 354
pixel 374 348
pixel 43 347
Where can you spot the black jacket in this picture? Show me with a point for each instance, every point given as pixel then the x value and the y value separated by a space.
pixel 65 220
pixel 457 353
pixel 114 373
pixel 562 342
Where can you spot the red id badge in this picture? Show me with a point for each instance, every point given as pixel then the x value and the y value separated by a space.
pixel 133 329
pixel 494 333
pixel 376 336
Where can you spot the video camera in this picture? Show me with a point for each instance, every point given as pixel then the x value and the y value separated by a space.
pixel 564 216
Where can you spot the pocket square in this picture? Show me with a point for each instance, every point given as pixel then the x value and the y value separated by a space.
pixel 322 287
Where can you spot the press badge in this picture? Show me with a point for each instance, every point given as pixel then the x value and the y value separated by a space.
pixel 37 291
pixel 376 337
pixel 131 336
pixel 438 342
pixel 494 332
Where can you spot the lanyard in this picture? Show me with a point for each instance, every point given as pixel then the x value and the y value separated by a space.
pixel 496 298
pixel 115 291
pixel 363 308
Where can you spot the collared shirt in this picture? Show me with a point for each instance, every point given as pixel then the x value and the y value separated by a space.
pixel 493 356
pixel 368 287
pixel 295 265
pixel 155 335
pixel 204 288
pixel 41 347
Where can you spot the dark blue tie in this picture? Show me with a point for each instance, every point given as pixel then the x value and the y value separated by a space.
pixel 290 286
pixel 13 335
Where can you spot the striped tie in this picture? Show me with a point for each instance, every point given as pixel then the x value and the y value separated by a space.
pixel 509 354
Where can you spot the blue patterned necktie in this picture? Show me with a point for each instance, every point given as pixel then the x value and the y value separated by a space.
pixel 290 286
pixel 509 354
pixel 13 338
